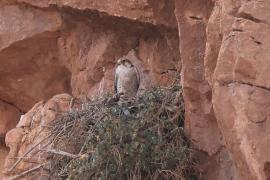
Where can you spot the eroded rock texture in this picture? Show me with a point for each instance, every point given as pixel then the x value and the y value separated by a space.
pixel 53 46
pixel 29 141
pixel 30 70
pixel 226 69
pixel 238 68
pixel 200 124
pixel 9 117
pixel 68 46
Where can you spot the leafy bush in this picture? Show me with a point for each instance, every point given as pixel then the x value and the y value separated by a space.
pixel 101 141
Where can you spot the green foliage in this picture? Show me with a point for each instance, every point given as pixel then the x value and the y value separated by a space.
pixel 148 143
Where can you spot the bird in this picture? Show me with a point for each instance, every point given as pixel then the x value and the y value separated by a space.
pixel 127 79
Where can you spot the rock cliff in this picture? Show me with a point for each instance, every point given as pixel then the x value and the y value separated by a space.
pixel 221 47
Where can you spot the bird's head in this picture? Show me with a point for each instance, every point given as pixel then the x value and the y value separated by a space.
pixel 125 62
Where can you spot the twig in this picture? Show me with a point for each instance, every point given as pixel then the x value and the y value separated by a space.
pixel 59 152
pixel 26 172
pixel 170 172
pixel 26 153
pixel 95 125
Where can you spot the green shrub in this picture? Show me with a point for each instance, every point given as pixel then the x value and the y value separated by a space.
pixel 147 143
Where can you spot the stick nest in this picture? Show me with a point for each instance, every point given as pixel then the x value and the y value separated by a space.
pixel 102 142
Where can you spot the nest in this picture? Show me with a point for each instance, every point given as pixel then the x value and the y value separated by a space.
pixel 101 141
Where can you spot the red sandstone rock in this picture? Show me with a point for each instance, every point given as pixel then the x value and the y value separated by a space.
pixel 241 81
pixel 51 51
pixel 13 141
pixel 158 13
pixel 53 46
pixel 200 121
pixel 9 117
pixel 29 70
pixel 46 51
pixel 244 118
pixel 32 131
pixel 91 50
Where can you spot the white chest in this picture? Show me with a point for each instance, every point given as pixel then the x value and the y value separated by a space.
pixel 126 79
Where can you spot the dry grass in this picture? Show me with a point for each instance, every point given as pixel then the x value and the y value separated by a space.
pixel 101 142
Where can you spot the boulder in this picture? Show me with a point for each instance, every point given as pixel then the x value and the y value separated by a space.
pixel 31 137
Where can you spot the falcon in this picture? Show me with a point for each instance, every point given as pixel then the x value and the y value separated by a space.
pixel 127 79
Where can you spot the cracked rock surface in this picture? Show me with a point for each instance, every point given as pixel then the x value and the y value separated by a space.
pixel 221 47
pixel 238 63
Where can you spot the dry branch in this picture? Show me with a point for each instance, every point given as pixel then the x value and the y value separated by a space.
pixel 27 172
pixel 145 144
pixel 59 152
pixel 26 153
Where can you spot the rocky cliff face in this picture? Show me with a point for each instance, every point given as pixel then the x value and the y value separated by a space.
pixel 238 59
pixel 70 46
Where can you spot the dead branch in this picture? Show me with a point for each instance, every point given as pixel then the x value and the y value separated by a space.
pixel 59 152
pixel 27 172
pixel 26 153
